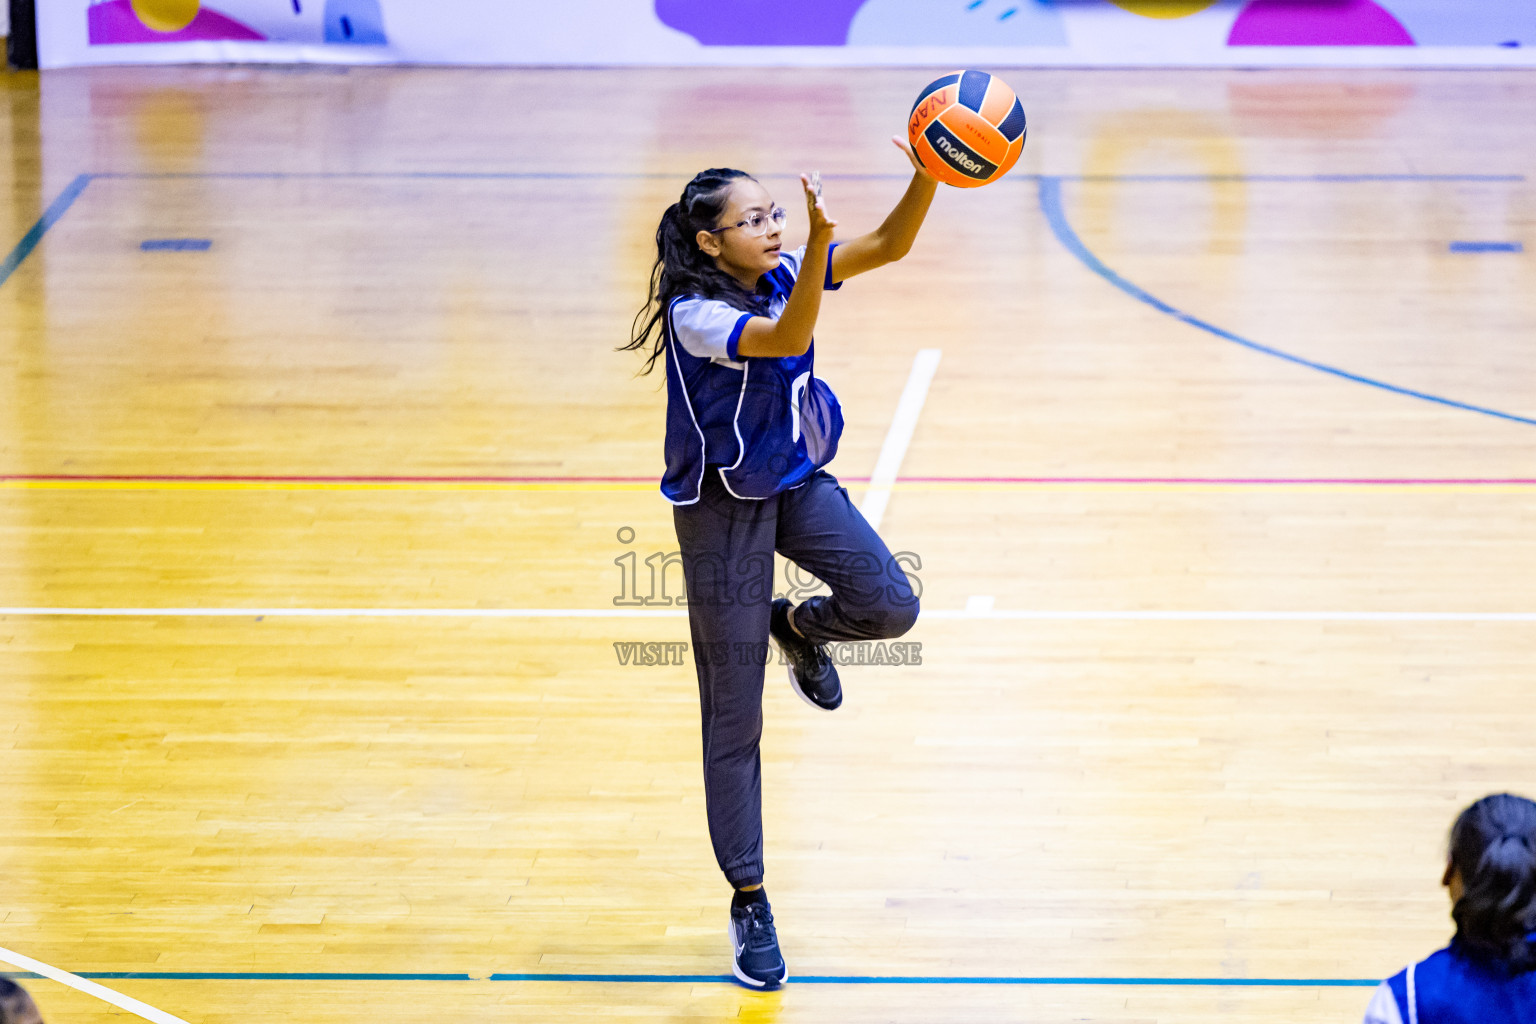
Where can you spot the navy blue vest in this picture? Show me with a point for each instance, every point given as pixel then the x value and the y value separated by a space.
pixel 767 426
pixel 1448 988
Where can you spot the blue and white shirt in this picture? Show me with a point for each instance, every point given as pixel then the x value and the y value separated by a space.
pixel 766 422
pixel 1447 988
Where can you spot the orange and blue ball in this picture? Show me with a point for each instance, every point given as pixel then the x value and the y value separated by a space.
pixel 967 128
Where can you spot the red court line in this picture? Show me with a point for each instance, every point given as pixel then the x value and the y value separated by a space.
pixel 449 479
pixel 1254 480
pixel 260 479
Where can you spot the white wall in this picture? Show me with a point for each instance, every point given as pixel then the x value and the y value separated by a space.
pixel 1060 33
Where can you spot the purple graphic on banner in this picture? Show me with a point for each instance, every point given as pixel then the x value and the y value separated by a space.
pixel 754 23
pixel 1310 23
pixel 115 22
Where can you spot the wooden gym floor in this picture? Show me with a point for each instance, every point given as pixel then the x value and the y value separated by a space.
pixel 1222 492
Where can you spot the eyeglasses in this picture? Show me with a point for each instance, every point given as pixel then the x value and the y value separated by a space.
pixel 757 222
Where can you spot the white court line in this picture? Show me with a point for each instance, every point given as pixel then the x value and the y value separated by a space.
pixel 1086 615
pixel 924 364
pixel 90 988
pixel 1010 614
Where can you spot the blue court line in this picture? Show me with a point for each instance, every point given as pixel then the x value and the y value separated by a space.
pixel 1487 247
pixel 176 244
pixel 705 979
pixel 1055 213
pixel 50 217
pixel 66 199
pixel 877 979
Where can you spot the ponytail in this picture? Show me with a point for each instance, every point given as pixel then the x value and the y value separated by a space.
pixel 682 268
pixel 1493 846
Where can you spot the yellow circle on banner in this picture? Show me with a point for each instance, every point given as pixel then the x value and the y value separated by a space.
pixel 166 15
pixel 1151 8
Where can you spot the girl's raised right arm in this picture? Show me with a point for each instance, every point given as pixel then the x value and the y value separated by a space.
pixel 790 334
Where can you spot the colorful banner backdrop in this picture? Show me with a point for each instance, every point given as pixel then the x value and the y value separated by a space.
pixel 1084 33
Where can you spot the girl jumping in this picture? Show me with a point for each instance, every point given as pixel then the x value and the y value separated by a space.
pixel 749 429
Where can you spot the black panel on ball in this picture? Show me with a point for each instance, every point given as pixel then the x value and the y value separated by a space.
pixel 933 87
pixel 1013 125
pixel 957 154
pixel 973 89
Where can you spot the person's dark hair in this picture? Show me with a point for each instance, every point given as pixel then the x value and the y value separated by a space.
pixel 1493 845
pixel 681 267
pixel 16 1006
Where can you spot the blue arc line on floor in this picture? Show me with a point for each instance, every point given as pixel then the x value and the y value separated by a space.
pixel 1056 215
pixel 50 217
pixel 725 979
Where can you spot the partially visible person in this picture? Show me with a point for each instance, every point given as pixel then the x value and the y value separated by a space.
pixel 1487 975
pixel 16 1006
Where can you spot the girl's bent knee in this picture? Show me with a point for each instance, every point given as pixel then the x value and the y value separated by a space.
pixel 893 620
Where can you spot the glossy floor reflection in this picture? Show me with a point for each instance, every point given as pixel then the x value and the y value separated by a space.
pixel 1210 349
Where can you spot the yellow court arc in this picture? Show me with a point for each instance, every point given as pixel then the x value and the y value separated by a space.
pixel 1164 8
pixel 166 15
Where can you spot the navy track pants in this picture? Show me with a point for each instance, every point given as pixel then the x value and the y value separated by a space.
pixel 727 546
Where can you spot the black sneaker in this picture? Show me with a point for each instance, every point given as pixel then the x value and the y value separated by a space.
pixel 755 956
pixel 811 672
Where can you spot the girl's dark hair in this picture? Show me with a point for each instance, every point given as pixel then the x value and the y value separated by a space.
pixel 16 1006
pixel 681 267
pixel 1493 845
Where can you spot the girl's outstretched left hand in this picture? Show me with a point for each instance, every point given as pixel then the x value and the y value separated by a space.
pixel 906 147
pixel 821 224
